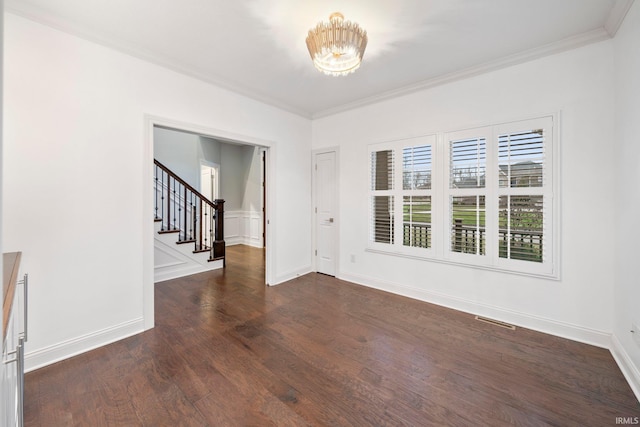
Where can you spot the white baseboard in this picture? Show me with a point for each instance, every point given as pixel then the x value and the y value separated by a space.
pixel 66 349
pixel 291 275
pixel 238 240
pixel 548 326
pixel 628 368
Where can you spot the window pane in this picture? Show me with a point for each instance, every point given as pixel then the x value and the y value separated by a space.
pixel 521 227
pixel 416 168
pixel 468 224
pixel 521 159
pixel 382 219
pixel 416 224
pixel 468 163
pixel 382 170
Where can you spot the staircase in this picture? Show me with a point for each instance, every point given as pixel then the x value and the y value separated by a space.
pixel 189 228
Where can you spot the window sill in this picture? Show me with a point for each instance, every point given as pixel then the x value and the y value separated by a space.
pixel 554 276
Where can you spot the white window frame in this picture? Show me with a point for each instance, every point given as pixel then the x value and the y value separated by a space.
pixel 398 193
pixel 448 192
pixel 440 192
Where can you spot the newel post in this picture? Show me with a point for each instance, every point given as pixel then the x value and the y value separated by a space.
pixel 218 243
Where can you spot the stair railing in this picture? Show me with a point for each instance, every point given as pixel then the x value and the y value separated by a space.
pixel 181 209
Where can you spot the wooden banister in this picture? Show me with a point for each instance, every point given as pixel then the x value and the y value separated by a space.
pixel 184 183
pixel 182 209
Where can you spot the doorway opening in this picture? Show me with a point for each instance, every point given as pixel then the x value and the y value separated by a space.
pixel 224 166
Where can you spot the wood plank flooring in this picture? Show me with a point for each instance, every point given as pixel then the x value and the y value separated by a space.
pixel 227 351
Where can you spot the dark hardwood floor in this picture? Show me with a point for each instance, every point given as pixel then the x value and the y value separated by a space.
pixel 227 351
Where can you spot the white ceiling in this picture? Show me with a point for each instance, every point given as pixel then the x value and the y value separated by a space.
pixel 257 47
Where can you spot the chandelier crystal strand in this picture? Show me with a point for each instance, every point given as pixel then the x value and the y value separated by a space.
pixel 337 47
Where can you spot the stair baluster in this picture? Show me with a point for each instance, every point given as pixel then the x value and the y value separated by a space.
pixel 194 217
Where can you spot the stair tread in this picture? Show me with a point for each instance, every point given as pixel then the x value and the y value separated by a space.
pixel 168 231
pixel 180 242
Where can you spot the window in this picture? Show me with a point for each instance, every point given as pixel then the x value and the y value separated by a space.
pixel 524 191
pixel 400 197
pixel 416 196
pixel 382 215
pixel 467 191
pixel 482 197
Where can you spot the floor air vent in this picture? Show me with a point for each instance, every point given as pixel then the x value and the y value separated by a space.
pixel 496 323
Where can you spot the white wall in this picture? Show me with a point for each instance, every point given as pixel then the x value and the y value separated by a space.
pixel 251 200
pixel 76 172
pixel 232 176
pixel 579 83
pixel 210 150
pixel 180 152
pixel 627 148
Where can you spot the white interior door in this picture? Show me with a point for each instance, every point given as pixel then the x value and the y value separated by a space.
pixel 326 209
pixel 209 181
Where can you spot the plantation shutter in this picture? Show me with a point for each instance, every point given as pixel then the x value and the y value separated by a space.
pixel 523 195
pixel 521 159
pixel 416 196
pixel 381 199
pixel 468 163
pixel 467 191
pixel 416 168
pixel 481 197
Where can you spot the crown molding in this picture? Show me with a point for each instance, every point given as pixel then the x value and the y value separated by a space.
pixel 34 14
pixel 613 23
pixel 617 15
pixel 569 43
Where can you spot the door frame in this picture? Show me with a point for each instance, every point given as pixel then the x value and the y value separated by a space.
pixel 336 200
pixel 150 121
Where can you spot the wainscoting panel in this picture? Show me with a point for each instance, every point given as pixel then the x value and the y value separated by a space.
pixel 243 228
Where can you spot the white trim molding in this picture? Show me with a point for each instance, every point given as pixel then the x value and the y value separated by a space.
pixel 608 30
pixel 628 368
pixel 594 36
pixel 553 327
pixel 147 178
pixel 617 15
pixel 290 275
pixel 36 14
pixel 66 349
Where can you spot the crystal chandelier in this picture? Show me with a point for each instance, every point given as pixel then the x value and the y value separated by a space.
pixel 336 47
